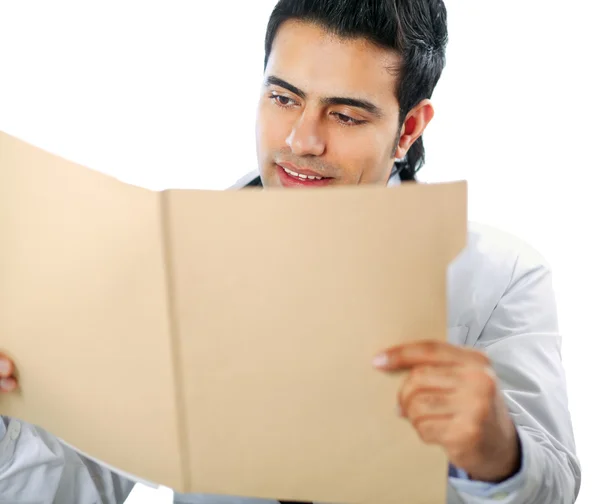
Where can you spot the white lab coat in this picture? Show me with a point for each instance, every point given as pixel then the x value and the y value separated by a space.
pixel 500 301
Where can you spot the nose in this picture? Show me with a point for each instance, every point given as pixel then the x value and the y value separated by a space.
pixel 306 137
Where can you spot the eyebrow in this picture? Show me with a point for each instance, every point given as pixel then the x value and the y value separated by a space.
pixel 334 100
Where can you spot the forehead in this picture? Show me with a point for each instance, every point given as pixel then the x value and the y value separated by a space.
pixel 323 64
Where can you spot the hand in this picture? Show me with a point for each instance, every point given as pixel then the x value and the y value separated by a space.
pixel 452 399
pixel 8 382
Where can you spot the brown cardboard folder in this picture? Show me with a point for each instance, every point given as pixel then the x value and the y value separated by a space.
pixel 221 341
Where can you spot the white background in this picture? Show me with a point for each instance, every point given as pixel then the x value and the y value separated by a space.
pixel 163 94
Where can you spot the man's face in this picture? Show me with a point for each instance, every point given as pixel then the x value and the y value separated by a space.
pixel 328 109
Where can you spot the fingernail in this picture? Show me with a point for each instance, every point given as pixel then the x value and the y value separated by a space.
pixel 4 366
pixel 381 360
pixel 7 384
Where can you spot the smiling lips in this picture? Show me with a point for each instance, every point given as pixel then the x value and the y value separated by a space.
pixel 292 173
pixel 292 176
pixel 301 173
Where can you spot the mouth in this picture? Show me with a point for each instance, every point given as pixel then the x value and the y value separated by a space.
pixel 291 176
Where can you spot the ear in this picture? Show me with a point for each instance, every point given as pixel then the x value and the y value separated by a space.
pixel 415 123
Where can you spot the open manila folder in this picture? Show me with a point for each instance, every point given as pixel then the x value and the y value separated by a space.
pixel 221 342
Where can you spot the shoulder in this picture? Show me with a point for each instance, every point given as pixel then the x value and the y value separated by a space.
pixel 251 179
pixel 492 251
pixel 492 265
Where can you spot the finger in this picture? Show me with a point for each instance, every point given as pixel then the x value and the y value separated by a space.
pixel 427 353
pixel 7 384
pixel 432 430
pixel 6 367
pixel 429 379
pixel 426 405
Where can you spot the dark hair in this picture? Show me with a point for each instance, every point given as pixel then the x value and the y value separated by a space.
pixel 416 29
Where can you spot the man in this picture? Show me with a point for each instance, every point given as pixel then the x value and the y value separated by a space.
pixel 346 95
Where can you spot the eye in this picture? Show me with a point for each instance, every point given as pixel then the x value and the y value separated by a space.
pixel 347 120
pixel 282 101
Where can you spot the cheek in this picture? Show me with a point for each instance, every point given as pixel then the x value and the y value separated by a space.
pixel 365 158
pixel 271 128
pixel 270 139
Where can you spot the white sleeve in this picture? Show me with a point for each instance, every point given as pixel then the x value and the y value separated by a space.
pixel 521 338
pixel 36 468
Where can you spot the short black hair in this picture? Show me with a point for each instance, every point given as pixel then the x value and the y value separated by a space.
pixel 416 29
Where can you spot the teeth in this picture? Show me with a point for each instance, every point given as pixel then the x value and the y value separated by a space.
pixel 301 176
